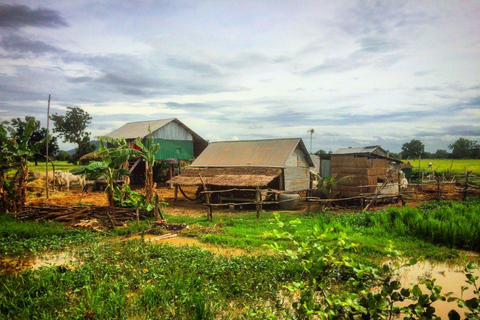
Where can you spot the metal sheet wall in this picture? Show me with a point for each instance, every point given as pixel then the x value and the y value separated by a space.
pixel 172 131
pixel 176 149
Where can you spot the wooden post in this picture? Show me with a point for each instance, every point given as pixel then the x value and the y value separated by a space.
pixel 176 194
pixel 207 199
pixel 46 161
pixel 258 199
pixel 308 201
pixel 155 211
pixel 137 216
pixel 438 189
pixel 465 191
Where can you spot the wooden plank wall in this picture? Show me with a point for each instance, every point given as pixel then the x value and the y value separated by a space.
pixel 363 171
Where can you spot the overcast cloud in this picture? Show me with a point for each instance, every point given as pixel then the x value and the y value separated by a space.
pixel 358 72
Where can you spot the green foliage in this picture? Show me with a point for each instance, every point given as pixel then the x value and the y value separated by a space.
pixel 17 128
pixel 18 237
pixel 335 286
pixel 413 149
pixel 113 158
pixel 141 280
pixel 125 197
pixel 464 149
pixel 71 127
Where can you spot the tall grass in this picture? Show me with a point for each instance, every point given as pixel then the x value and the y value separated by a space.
pixel 18 237
pixel 452 224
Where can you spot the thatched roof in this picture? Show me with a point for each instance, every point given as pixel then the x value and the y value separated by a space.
pixel 240 176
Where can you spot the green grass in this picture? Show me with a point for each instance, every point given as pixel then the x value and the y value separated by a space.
pixel 134 279
pixel 433 232
pixel 59 165
pixel 443 165
pixel 144 281
pixel 17 237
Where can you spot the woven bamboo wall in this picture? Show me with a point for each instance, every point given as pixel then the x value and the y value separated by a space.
pixel 364 171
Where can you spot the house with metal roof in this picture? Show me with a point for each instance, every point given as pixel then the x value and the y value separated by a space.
pixel 280 164
pixel 366 167
pixel 176 140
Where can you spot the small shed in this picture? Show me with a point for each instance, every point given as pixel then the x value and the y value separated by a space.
pixel 280 164
pixel 366 166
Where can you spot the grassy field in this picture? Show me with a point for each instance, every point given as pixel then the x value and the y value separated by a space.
pixel 136 279
pixel 59 165
pixel 443 165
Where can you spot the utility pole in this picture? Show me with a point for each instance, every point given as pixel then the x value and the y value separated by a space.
pixel 311 131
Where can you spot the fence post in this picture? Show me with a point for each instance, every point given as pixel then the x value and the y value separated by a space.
pixel 258 199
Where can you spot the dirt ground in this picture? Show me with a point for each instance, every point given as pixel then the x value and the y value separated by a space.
pixel 416 195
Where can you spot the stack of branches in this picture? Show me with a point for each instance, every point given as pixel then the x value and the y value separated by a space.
pixel 116 216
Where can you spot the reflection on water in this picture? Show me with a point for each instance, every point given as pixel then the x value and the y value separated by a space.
pixel 450 277
pixel 184 241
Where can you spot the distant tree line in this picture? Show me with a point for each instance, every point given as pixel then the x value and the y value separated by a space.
pixel 71 127
pixel 462 148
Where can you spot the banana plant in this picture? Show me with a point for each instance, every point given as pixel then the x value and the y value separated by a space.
pixel 149 150
pixel 113 152
pixel 14 154
pixel 329 185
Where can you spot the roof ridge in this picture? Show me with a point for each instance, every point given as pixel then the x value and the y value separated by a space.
pixel 151 120
pixel 274 139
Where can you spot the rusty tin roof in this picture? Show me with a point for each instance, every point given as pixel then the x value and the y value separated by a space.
pixel 272 153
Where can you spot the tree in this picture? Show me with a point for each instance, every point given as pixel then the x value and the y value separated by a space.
pixel 463 148
pixel 320 152
pixel 17 128
pixel 441 154
pixel 71 127
pixel 62 155
pixel 413 149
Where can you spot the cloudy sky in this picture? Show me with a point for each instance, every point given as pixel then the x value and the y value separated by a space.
pixel 358 73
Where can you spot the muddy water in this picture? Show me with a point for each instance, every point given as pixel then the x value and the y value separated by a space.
pixel 184 241
pixel 55 259
pixel 450 277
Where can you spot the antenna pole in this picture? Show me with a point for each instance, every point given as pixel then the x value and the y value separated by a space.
pixel 46 159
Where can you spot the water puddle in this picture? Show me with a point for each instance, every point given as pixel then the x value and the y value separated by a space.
pixel 54 259
pixel 185 241
pixel 450 277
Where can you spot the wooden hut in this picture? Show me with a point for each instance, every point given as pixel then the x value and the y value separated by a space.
pixel 280 164
pixel 366 166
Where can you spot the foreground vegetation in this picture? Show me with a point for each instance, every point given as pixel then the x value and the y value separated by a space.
pixel 319 255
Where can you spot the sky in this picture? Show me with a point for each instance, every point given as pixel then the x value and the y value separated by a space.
pixel 357 72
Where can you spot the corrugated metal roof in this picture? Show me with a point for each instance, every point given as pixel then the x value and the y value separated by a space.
pixel 359 150
pixel 250 153
pixel 139 129
pixel 370 150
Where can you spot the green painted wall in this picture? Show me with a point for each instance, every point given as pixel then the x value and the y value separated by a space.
pixel 177 149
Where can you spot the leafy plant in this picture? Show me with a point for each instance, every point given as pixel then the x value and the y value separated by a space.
pixel 125 197
pixel 149 150
pixel 112 159
pixel 14 154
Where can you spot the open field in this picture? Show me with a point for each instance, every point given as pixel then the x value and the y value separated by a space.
pixel 443 165
pixel 59 165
